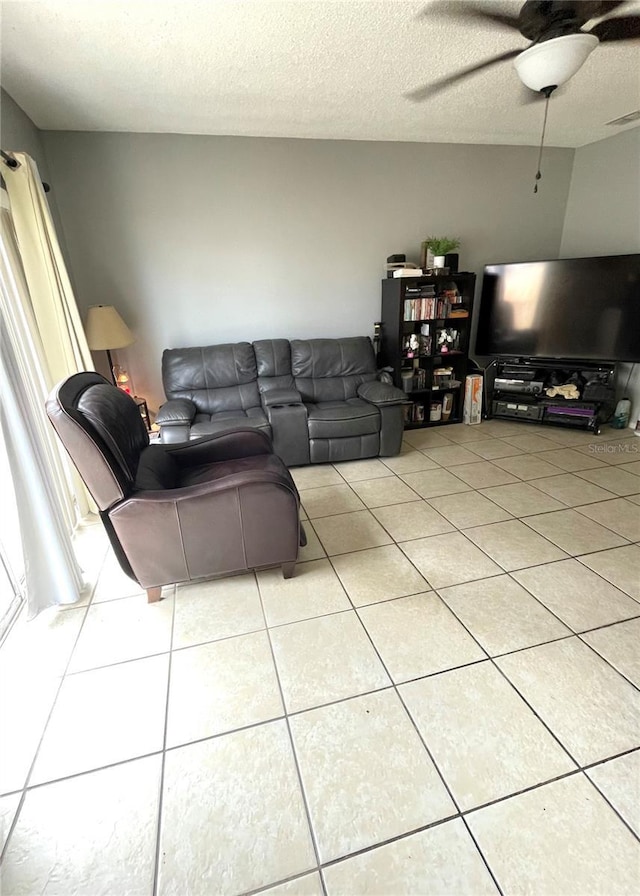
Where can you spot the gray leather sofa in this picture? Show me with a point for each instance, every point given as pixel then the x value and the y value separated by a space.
pixel 177 513
pixel 320 400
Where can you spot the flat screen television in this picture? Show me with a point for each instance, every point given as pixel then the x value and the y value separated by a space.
pixel 583 309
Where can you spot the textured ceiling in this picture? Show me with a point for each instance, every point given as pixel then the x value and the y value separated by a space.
pixel 332 69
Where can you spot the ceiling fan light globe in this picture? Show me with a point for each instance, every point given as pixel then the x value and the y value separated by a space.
pixel 553 62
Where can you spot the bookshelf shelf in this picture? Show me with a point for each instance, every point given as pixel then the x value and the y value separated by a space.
pixel 417 320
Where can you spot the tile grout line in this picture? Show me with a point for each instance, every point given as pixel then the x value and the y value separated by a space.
pixel 577 770
pixel 312 832
pixel 580 768
pixel 602 794
pixel 605 660
pixel 511 684
pixel 295 713
pixel 25 785
pixel 507 572
pixel 157 855
pixel 428 752
pixel 568 553
pixel 441 821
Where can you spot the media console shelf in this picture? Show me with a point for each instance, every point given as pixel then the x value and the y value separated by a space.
pixel 521 387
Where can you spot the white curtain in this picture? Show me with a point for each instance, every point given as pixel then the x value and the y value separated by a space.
pixel 42 342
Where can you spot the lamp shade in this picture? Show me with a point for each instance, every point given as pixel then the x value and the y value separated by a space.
pixel 105 329
pixel 552 62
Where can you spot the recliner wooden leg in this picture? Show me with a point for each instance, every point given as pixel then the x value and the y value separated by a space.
pixel 153 595
pixel 288 569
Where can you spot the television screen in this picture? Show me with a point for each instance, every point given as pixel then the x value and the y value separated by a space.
pixel 584 309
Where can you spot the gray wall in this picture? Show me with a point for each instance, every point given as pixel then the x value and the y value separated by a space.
pixel 603 217
pixel 19 134
pixel 198 240
pixel 603 209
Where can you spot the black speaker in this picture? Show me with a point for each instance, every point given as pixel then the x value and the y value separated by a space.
pixel 451 262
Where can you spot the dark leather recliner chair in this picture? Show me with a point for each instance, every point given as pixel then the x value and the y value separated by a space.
pixel 175 513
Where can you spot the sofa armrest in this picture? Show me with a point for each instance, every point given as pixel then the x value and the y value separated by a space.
pixel 175 412
pixel 381 394
pixel 280 396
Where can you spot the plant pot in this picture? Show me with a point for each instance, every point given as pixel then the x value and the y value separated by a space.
pixel 438 261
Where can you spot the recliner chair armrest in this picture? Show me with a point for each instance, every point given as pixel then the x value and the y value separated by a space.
pixel 280 396
pixel 221 446
pixel 381 394
pixel 176 411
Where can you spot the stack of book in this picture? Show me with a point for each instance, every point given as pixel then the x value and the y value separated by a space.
pixel 449 306
pixel 420 302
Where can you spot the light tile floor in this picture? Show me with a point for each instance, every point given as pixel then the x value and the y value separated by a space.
pixel 444 699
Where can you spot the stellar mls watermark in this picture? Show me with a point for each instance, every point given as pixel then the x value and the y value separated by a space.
pixel 628 446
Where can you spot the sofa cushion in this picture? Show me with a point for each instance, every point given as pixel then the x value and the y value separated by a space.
pixel 206 424
pixel 342 419
pixel 332 369
pixel 214 377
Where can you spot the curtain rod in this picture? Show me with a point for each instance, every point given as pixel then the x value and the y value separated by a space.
pixel 10 162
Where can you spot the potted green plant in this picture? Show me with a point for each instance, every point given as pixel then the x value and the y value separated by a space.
pixel 440 246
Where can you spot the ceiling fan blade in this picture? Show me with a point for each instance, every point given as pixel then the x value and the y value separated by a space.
pixel 544 19
pixel 460 9
pixel 620 28
pixel 584 10
pixel 429 90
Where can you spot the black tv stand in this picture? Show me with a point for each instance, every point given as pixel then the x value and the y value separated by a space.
pixel 521 390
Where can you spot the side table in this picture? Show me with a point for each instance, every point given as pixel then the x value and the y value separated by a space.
pixel 144 411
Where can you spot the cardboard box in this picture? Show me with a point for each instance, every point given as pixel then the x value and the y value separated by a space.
pixel 472 399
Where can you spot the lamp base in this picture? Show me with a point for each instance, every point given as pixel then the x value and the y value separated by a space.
pixel 111 367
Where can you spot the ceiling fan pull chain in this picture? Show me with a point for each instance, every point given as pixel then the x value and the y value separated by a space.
pixel 547 91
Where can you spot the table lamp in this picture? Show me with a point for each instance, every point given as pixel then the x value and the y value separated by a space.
pixel 105 330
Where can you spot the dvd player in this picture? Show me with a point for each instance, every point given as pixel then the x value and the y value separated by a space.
pixel 518 410
pixel 524 386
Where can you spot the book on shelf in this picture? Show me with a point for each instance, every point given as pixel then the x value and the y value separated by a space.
pixel 420 309
pixel 445 307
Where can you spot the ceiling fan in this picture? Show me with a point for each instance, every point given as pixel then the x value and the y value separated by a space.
pixel 559 45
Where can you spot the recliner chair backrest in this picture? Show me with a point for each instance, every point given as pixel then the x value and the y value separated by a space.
pixel 103 432
pixel 332 369
pixel 214 377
